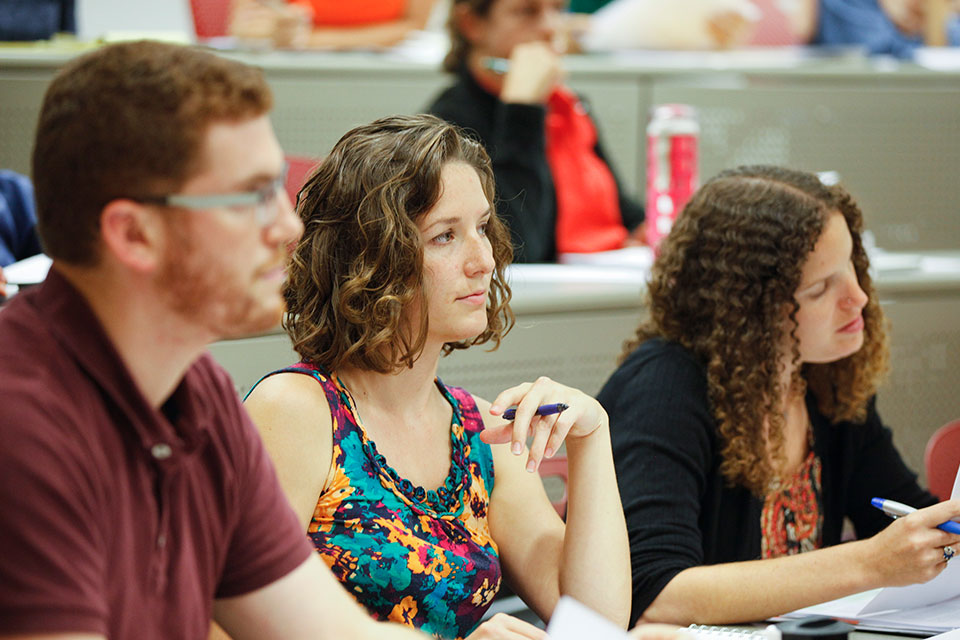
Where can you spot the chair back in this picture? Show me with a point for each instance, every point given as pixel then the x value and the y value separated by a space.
pixel 210 17
pixel 941 459
pixel 556 467
pixel 298 168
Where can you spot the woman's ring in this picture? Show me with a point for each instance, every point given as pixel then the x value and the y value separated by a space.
pixel 948 553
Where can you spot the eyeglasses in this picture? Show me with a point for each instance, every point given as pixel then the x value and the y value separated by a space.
pixel 262 201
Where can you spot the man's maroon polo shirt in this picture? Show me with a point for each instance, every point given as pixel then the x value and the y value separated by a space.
pixel 116 518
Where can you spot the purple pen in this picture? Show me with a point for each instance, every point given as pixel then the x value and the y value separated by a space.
pixel 542 410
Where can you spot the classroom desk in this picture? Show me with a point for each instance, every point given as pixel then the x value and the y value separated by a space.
pixel 889 128
pixel 572 322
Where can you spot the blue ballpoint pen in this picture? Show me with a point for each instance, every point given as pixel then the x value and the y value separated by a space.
pixel 542 410
pixel 896 509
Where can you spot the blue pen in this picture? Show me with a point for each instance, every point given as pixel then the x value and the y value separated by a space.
pixel 542 410
pixel 896 509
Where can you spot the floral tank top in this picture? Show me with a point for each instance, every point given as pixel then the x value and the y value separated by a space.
pixel 420 557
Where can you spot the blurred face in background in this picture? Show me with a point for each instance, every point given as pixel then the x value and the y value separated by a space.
pixel 513 22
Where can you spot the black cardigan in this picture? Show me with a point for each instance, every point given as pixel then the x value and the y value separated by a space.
pixel 680 511
pixel 515 137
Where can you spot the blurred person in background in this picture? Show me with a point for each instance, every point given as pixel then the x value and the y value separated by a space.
pixel 556 190
pixel 36 19
pixel 695 24
pixel 894 27
pixel 18 222
pixel 328 24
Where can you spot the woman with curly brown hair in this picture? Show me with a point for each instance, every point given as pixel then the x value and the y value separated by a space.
pixel 417 494
pixel 743 417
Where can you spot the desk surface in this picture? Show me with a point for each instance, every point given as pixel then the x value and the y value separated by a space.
pixel 544 288
pixel 795 61
pixel 555 288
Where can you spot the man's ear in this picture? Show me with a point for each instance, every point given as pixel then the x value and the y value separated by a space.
pixel 133 234
pixel 468 23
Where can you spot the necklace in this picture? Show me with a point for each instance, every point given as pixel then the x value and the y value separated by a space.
pixel 443 499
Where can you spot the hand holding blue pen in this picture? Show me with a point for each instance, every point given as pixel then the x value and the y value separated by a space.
pixel 542 410
pixel 896 509
pixel 582 416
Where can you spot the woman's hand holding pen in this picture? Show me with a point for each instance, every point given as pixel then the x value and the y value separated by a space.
pixel 534 70
pixel 586 555
pixel 581 417
pixel 911 549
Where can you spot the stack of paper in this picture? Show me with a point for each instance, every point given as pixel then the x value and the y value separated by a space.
pixel 930 607
pixel 33 270
pixel 899 609
pixel 574 621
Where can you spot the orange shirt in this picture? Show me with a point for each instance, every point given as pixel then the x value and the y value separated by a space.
pixel 588 204
pixel 337 13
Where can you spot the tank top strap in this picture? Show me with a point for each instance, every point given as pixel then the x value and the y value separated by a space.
pixel 336 395
pixel 476 450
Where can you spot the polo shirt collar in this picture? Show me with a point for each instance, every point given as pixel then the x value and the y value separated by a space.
pixel 81 335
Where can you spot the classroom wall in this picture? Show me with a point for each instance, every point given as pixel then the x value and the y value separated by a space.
pixel 892 136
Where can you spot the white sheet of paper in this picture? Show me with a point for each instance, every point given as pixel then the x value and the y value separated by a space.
pixel 932 618
pixel 574 621
pixel 884 261
pixel 933 606
pixel 847 607
pixel 945 586
pixel 638 257
pixel 949 635
pixel 32 270
pixel 940 264
pixel 938 58
pixel 589 274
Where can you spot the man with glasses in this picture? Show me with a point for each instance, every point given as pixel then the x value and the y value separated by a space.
pixel 136 500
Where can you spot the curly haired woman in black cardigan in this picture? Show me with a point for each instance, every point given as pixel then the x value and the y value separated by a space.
pixel 743 417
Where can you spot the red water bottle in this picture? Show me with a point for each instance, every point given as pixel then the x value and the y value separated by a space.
pixel 672 174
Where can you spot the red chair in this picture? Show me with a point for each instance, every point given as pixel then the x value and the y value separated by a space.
pixel 210 17
pixel 942 458
pixel 298 168
pixel 556 467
